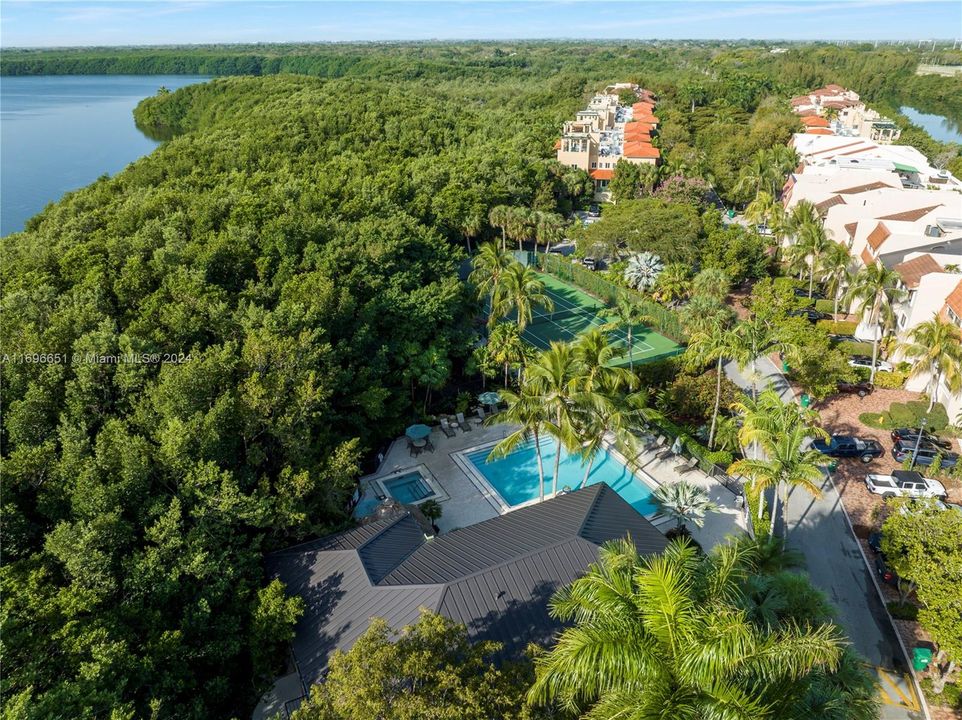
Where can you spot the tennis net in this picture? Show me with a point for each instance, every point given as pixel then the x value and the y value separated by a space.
pixel 562 313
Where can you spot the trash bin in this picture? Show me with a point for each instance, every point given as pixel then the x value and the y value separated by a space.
pixel 921 657
pixel 784 366
pixel 806 400
pixel 731 213
pixel 832 465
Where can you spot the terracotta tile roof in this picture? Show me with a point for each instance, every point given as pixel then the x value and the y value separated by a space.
pixel 823 206
pixel 602 174
pixel 911 271
pixel 819 131
pixel 636 125
pixel 867 257
pixel 860 150
pixel 647 118
pixel 815 121
pixel 557 144
pixel 801 100
pixel 640 150
pixel 637 134
pixel 800 169
pixel 954 300
pixel 856 189
pixel 910 215
pixel 850 228
pixel 877 236
pixel 643 107
pixel 808 112
pixel 839 104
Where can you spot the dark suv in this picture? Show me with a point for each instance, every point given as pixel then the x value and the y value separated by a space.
pixel 909 436
pixel 856 388
pixel 845 446
pixel 926 454
pixel 809 314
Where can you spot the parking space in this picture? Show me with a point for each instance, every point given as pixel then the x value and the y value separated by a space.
pixel 897 693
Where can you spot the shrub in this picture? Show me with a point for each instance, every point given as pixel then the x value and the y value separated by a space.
pixel 880 421
pixel 908 414
pixel 903 610
pixel 950 697
pixel 901 415
pixel 691 398
pixel 842 327
pixel 855 348
pixel 826 306
pixel 890 380
pixel 721 458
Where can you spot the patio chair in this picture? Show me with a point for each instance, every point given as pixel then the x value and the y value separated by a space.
pixel 464 424
pixel 414 449
pixel 428 445
pixel 480 411
pixel 688 465
pixel 447 429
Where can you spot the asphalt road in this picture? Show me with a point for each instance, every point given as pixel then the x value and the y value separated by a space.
pixel 818 528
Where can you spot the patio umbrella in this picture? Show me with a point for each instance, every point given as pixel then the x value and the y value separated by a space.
pixel 417 432
pixel 489 398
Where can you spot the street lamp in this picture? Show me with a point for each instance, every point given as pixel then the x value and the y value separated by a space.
pixel 918 441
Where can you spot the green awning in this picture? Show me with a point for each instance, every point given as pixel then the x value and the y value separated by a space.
pixel 905 168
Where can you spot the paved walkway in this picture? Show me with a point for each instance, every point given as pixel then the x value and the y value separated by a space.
pixel 819 529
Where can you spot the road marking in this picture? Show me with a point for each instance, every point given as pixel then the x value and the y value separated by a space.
pixel 897 689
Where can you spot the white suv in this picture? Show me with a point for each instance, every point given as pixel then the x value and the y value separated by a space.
pixel 904 483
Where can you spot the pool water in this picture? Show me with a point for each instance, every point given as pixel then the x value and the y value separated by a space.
pixel 515 476
pixel 409 488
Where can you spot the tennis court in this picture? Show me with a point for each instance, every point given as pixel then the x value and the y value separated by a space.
pixel 575 312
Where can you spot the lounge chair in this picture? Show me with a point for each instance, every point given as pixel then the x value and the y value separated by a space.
pixel 481 414
pixel 462 423
pixel 688 465
pixel 447 429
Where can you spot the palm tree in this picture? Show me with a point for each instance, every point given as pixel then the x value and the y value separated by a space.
pixel 524 409
pixel 506 348
pixel 876 289
pixel 470 226
pixel 786 158
pixel 488 269
pixel 703 312
pixel 712 345
pixel 936 348
pixel 760 174
pixel 761 209
pixel 548 229
pixel 595 353
pixel 802 214
pixel 625 316
pixel 498 217
pixel 643 270
pixel 665 636
pixel 520 225
pixel 554 378
pixel 521 290
pixel 785 466
pixel 712 282
pixel 753 338
pixel 674 283
pixel 812 244
pixel 836 271
pixel 683 502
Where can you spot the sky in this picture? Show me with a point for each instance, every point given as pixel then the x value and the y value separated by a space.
pixel 33 23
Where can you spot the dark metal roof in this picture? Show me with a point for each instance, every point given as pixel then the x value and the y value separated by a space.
pixel 495 577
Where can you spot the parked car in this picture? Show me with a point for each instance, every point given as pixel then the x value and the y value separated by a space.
pixel 594 210
pixel 590 263
pixel 846 446
pixel 856 388
pixel 904 483
pixel 810 314
pixel 866 362
pixel 803 292
pixel 875 543
pixel 909 436
pixel 925 455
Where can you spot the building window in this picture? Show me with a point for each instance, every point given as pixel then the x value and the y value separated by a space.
pixel 594 165
pixel 954 317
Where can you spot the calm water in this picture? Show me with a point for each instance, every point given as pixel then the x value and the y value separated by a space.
pixel 59 133
pixel 938 126
pixel 515 476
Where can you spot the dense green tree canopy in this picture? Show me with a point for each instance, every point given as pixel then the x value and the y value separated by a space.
pixel 670 230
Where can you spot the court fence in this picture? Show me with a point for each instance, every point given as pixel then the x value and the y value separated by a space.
pixel 661 319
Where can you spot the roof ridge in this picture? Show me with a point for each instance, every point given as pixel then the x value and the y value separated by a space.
pixel 515 558
pixel 602 486
pixel 396 519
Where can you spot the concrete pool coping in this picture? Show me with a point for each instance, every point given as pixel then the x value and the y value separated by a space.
pixel 377 482
pixel 491 494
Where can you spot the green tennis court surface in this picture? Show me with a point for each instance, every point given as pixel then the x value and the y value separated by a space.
pixel 576 311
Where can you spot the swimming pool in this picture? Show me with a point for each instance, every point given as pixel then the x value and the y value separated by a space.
pixel 515 477
pixel 409 488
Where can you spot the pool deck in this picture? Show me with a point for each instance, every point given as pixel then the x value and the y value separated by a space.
pixel 469 502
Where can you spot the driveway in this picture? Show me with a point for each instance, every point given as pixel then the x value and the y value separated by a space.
pixel 819 529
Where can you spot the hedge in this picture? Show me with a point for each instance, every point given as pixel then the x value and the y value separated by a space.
pixel 825 306
pixel 890 380
pixel 903 611
pixel 908 414
pixel 843 327
pixel 850 347
pixel 663 320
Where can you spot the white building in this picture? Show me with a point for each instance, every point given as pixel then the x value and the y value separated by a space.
pixel 849 115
